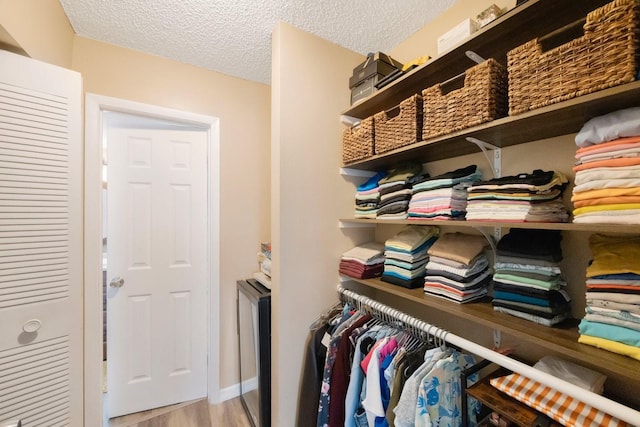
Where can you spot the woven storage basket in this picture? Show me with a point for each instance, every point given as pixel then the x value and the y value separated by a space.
pixel 482 98
pixel 399 126
pixel 605 56
pixel 357 141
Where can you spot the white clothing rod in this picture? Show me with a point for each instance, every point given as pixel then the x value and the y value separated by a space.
pixel 608 406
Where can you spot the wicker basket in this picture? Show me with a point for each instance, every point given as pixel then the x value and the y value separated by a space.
pixel 357 141
pixel 605 56
pixel 482 98
pixel 399 126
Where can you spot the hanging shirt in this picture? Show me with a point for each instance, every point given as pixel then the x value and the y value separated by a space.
pixel 440 395
pixel 352 399
pixel 406 409
pixel 340 374
pixel 323 404
pixel 372 402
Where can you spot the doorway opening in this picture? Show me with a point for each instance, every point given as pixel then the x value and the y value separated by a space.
pixel 103 116
pixel 154 262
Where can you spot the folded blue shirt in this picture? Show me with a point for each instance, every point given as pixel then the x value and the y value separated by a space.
pixel 372 182
pixel 610 332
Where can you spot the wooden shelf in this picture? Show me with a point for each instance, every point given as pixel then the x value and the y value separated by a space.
pixel 519 25
pixel 562 338
pixel 532 19
pixel 604 228
pixel 558 119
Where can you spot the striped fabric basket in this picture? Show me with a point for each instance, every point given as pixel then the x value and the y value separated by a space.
pixel 562 408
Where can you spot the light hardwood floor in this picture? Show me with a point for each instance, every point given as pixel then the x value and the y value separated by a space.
pixel 196 413
pixel 189 414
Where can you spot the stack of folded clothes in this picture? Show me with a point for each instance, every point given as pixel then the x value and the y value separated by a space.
pixel 458 268
pixel 368 197
pixel 406 255
pixel 607 183
pixel 363 261
pixel 527 281
pixel 534 197
pixel 443 196
pixel 395 191
pixel 612 319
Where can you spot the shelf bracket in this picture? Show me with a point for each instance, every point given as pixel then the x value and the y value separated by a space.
pixel 489 239
pixel 497 339
pixel 356 172
pixel 495 162
pixel 497 233
pixel 495 159
pixel 344 225
pixel 474 57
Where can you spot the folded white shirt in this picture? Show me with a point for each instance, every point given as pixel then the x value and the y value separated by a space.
pixel 575 374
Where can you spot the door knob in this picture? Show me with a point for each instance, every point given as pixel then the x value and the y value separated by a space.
pixel 30 327
pixel 116 282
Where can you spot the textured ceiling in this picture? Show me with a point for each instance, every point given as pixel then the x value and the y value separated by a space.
pixel 234 36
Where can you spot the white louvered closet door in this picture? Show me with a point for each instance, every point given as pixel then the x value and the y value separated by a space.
pixel 41 251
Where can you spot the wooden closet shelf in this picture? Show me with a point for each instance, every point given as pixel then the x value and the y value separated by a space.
pixel 561 339
pixel 531 19
pixel 604 228
pixel 516 27
pixel 558 119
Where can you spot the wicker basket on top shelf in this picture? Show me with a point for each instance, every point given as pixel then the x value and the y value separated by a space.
pixel 358 141
pixel 399 126
pixel 605 55
pixel 482 98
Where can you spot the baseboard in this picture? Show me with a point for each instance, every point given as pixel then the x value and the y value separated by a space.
pixel 233 390
pixel 230 392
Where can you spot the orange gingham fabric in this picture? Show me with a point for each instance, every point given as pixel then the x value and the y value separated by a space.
pixel 560 407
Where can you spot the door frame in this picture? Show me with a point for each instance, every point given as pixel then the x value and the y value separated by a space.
pixel 95 106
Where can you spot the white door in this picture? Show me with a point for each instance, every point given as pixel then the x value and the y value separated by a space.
pixel 157 246
pixel 40 243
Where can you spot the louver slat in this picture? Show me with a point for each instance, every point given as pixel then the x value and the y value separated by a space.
pixel 35 380
pixel 40 243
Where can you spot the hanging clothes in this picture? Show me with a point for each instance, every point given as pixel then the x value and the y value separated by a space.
pixel 332 349
pixel 379 374
pixel 440 395
pixel 313 365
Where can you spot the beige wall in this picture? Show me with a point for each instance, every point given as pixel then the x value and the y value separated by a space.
pixel 39 27
pixel 308 197
pixel 424 41
pixel 243 109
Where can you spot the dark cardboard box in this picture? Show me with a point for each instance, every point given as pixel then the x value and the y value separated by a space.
pixel 378 63
pixel 365 88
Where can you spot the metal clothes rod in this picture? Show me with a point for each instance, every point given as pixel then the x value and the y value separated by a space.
pixel 608 406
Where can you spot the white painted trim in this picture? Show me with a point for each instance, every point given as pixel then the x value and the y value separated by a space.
pixel 233 390
pixel 214 257
pixel 95 105
pixel 230 392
